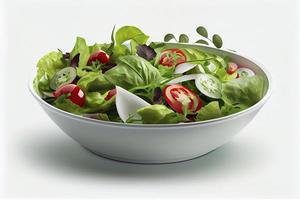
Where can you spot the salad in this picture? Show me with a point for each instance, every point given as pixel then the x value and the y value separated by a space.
pixel 132 80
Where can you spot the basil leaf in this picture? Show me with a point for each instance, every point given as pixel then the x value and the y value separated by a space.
pixel 132 71
pixel 202 31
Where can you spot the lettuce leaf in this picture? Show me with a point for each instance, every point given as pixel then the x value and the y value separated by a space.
pixel 47 66
pixel 96 103
pixel 133 71
pixel 159 114
pixel 213 110
pixel 210 111
pixel 128 33
pixel 244 90
pixel 94 81
pixel 83 50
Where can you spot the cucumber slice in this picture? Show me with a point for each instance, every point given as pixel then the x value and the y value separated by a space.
pixel 245 72
pixel 209 85
pixel 63 77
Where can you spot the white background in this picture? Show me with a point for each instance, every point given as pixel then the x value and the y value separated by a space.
pixel 39 160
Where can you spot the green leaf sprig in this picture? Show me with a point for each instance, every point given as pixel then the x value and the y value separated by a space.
pixel 201 30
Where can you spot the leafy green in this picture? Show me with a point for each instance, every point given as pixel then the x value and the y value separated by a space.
pixel 244 90
pixel 213 110
pixel 133 71
pixel 94 81
pixel 95 102
pixel 169 37
pixel 82 49
pixel 183 38
pixel 217 40
pixel 47 66
pixel 66 104
pixel 145 52
pixel 126 33
pixel 97 47
pixel 167 72
pixel 202 42
pixel 210 111
pixel 159 114
pixel 202 31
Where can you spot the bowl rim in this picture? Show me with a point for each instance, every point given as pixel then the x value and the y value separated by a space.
pixel 179 125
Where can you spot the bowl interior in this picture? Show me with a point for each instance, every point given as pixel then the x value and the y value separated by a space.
pixel 234 56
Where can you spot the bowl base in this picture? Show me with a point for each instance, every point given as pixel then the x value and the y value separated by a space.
pixel 145 162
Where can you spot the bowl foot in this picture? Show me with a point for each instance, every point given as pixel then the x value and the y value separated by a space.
pixel 145 162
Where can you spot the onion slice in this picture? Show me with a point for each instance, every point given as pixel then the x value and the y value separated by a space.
pixel 128 103
pixel 184 78
pixel 184 67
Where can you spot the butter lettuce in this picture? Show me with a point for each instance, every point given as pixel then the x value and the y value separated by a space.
pixel 47 66
pixel 94 81
pixel 244 90
pixel 159 114
pixel 213 110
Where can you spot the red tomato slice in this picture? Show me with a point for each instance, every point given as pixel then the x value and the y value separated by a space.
pixel 172 57
pixel 110 94
pixel 76 94
pixel 177 95
pixel 232 67
pixel 101 56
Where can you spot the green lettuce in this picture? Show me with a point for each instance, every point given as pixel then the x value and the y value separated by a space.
pixel 95 102
pixel 83 50
pixel 133 71
pixel 47 66
pixel 214 110
pixel 94 81
pixel 128 33
pixel 210 111
pixel 159 114
pixel 244 90
pixel 66 104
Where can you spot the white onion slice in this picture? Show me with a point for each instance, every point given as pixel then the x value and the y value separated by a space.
pixel 128 103
pixel 184 78
pixel 184 67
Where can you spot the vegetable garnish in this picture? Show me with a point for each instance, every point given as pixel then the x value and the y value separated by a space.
pixel 131 80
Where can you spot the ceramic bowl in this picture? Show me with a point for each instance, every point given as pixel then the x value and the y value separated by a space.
pixel 158 143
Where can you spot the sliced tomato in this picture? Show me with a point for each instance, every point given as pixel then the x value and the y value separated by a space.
pixel 172 57
pixel 231 67
pixel 76 94
pixel 110 94
pixel 101 56
pixel 178 96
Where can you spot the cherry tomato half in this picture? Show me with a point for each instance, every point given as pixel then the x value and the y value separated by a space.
pixel 76 94
pixel 177 96
pixel 101 56
pixel 232 67
pixel 172 57
pixel 110 94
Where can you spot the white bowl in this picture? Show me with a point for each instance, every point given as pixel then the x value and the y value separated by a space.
pixel 157 143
